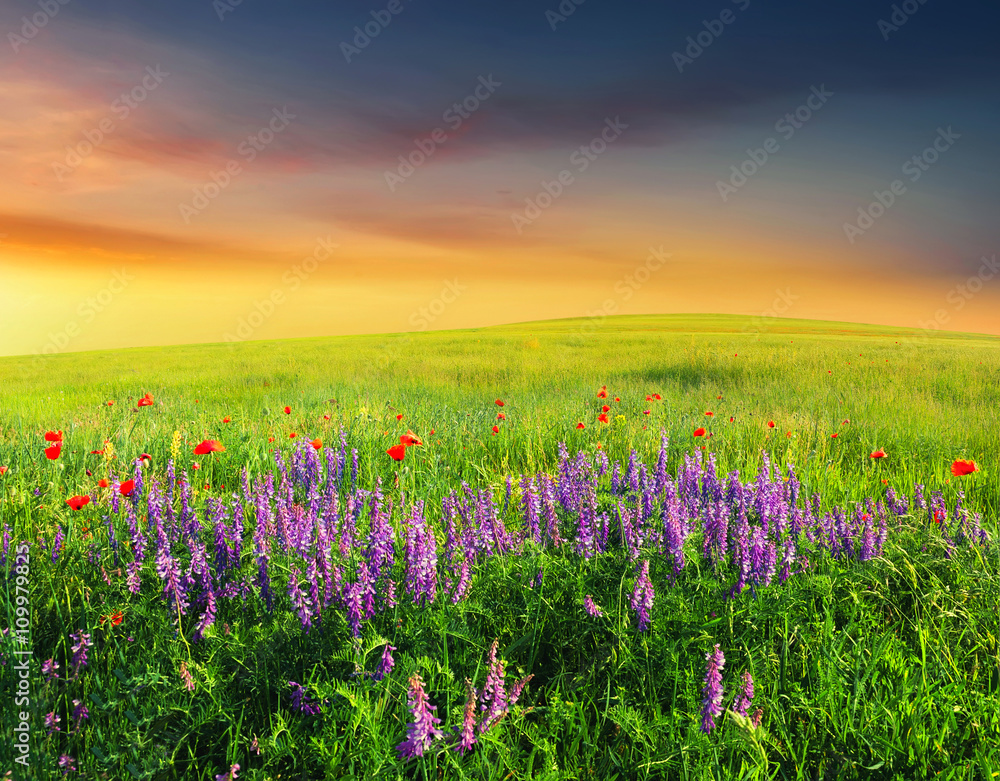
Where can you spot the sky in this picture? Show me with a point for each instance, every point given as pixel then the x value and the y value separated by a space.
pixel 197 171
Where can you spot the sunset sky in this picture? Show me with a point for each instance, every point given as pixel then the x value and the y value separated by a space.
pixel 183 171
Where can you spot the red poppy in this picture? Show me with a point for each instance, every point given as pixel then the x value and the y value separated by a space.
pixel 602 394
pixel 846 422
pixel 146 401
pixel 603 418
pixel 292 435
pixel 226 419
pixel 718 397
pixel 499 402
pixel 646 412
pixel 580 425
pixel 501 416
pixel 399 417
pixel 617 399
pixel 649 398
pixel 432 432
pixel 146 459
pixel 770 424
pixel 102 483
pixel 76 502
pixel 208 446
pixel 97 452
pixel 960 467
pixel 788 434
pixel 699 432
pixel 3 469
pixel 834 436
pixel 326 417
pixel 939 517
pixel 126 488
pixel 115 618
pixel 710 414
pixel 288 410
pixel 409 438
pixel 605 408
pixel 110 402
pixel 878 454
pixel 658 397
pixel 732 420
pixel 52 453
pixel 397 452
pixel 496 429
pixel 317 443
pixel 53 436
pixel 196 465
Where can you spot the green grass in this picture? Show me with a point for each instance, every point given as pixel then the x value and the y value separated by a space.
pixel 881 669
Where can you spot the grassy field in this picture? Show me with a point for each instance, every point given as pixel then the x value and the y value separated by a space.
pixel 866 663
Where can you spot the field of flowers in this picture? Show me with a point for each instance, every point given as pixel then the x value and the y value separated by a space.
pixel 667 548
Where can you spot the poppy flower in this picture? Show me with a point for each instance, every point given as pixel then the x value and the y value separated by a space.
pixel 580 425
pixel 146 401
pixel 292 435
pixel 226 419
pixel 939 517
pixel 496 429
pixel 396 452
pixel 110 402
pixel 602 394
pixel 102 483
pixel 602 418
pixel 605 408
pixel 76 502
pixel 326 417
pixel 146 459
pixel 649 398
pixel 501 416
pixel 270 439
pixel 52 453
pixel 126 488
pixel 3 469
pixel 878 454
pixel 788 434
pixel 432 432
pixel 288 410
pixel 53 436
pixel 196 465
pixel 499 402
pixel 97 452
pixel 699 432
pixel 718 397
pixel 399 417
pixel 617 398
pixel 208 446
pixel 770 424
pixel 960 467
pixel 646 412
pixel 658 397
pixel 115 618
pixel 317 443
pixel 710 414
pixel 834 436
pixel 846 422
pixel 409 438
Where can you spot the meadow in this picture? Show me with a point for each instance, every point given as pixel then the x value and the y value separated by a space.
pixel 459 523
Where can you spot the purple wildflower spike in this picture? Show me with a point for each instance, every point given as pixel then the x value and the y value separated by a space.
pixel 712 691
pixel 421 732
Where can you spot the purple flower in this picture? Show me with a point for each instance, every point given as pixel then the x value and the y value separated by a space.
pixel 745 698
pixel 712 691
pixel 493 696
pixel 642 596
pixel 67 763
pixel 50 669
pixel 300 600
pixel 467 735
pixel 301 700
pixel 421 732
pixel 386 663
pixel 52 722
pixel 81 642
pixel 80 713
pixel 230 775
pixel 593 610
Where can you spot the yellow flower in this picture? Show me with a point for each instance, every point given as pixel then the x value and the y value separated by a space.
pixel 175 445
pixel 109 451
